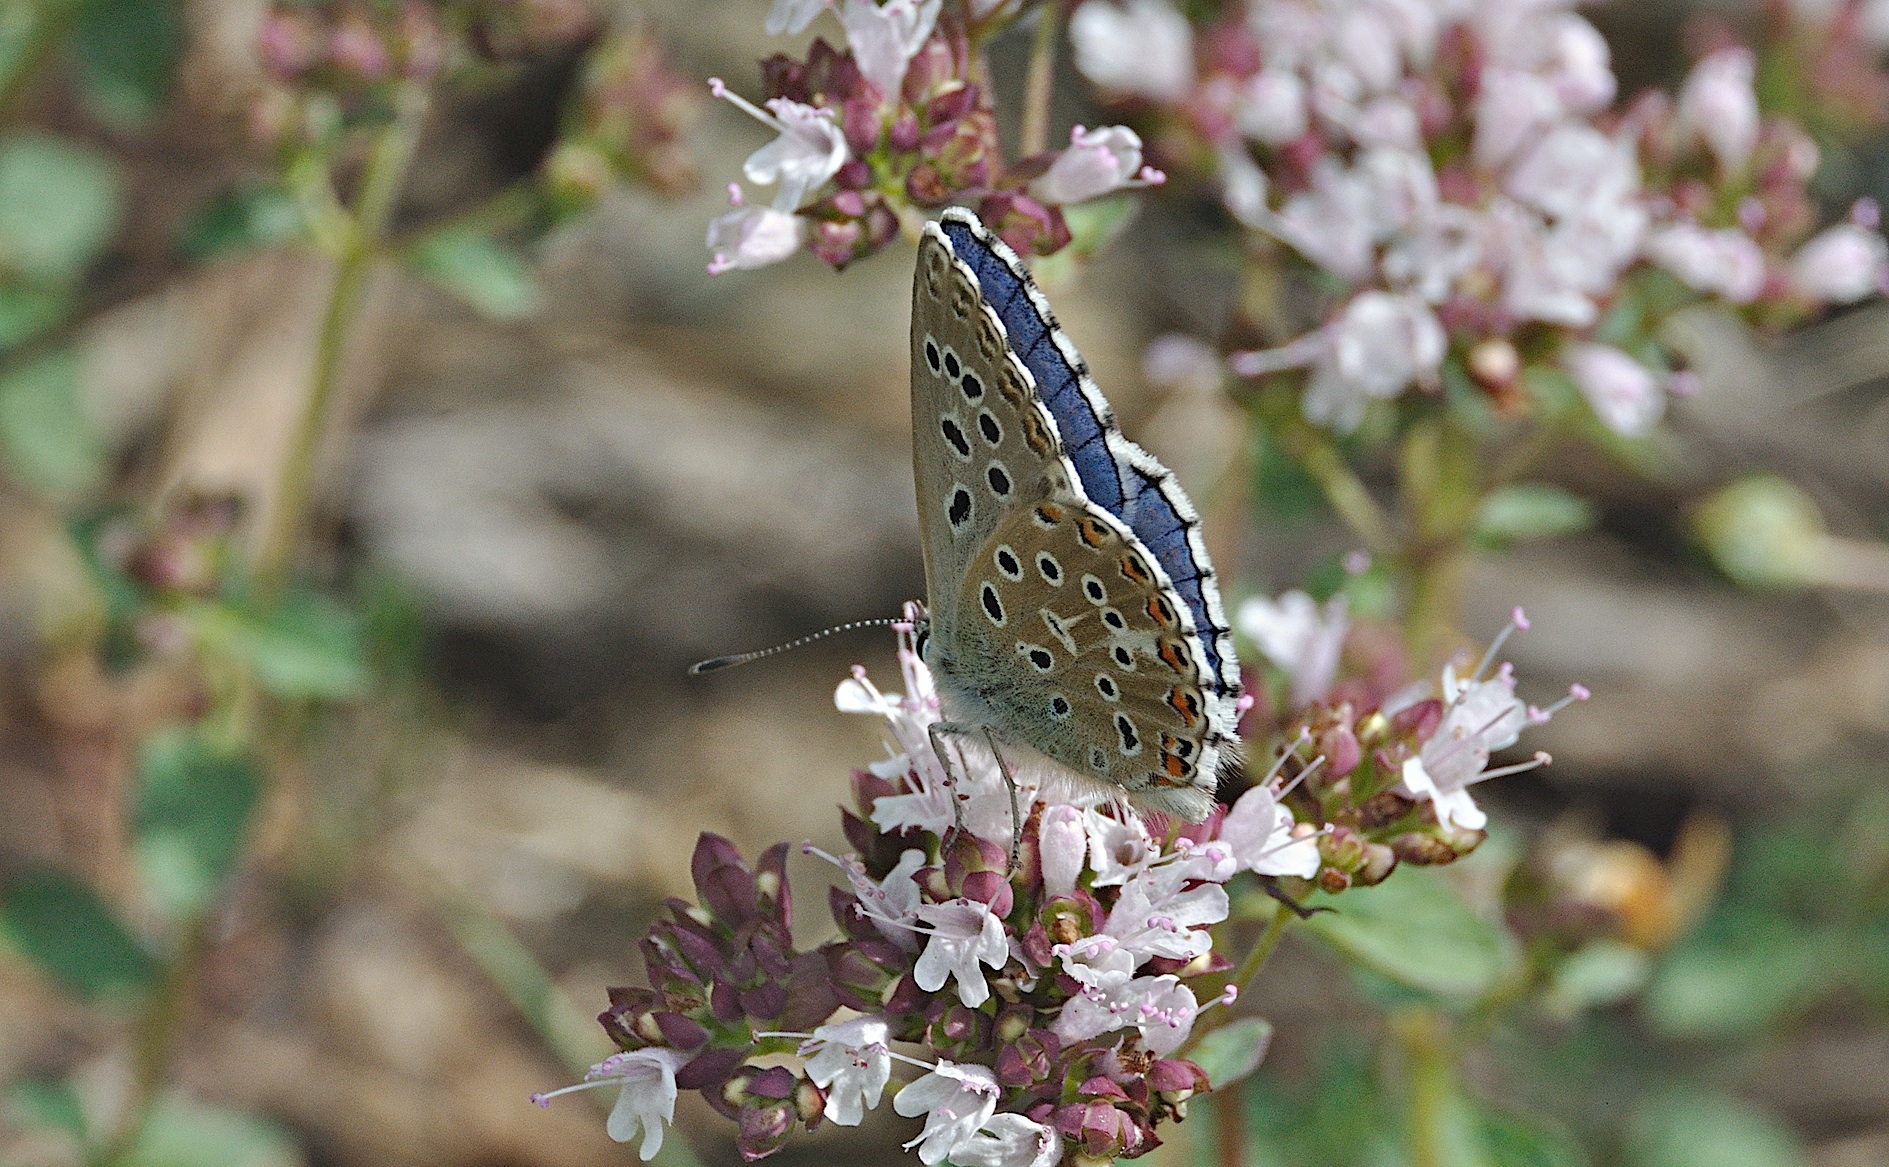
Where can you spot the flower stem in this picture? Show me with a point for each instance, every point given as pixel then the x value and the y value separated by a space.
pixel 153 1040
pixel 1342 488
pixel 380 187
pixel 1242 976
pixel 1439 1126
pixel 1038 84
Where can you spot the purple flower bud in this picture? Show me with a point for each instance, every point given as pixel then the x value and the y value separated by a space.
pixel 680 1032
pixel 949 106
pixel 709 1070
pixel 904 136
pixel 1174 1075
pixel 854 175
pixel 1422 849
pixel 726 1003
pixel 761 1129
pixel 765 1001
pixel 859 117
pixel 1341 750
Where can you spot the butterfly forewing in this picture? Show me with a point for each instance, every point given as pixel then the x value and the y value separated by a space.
pixel 982 445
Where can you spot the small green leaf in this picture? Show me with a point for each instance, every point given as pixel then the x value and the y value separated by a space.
pixel 248 217
pixel 46 441
pixel 1718 986
pixel 1416 930
pixel 59 206
pixel 1530 510
pixel 1234 1050
pixel 42 1102
pixel 61 926
pixel 1603 972
pixel 181 1133
pixel 1512 1140
pixel 195 802
pixel 1708 1130
pixel 26 310
pixel 493 279
pixel 127 52
pixel 306 647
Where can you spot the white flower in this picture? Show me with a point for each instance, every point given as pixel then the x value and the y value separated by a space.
pixel 1119 848
pixel 1096 163
pixel 1164 1012
pixel 885 38
pixel 1840 264
pixel 1512 108
pixel 1156 915
pixel 956 1101
pixel 1258 829
pixel 1379 345
pixel 1010 1140
pixel 1718 104
pixel 810 149
pixel 1144 47
pixel 1301 641
pixel 961 933
pixel 1725 262
pixel 1623 392
pixel 1576 60
pixel 892 903
pixel 851 1062
pixel 1271 107
pixel 1572 168
pixel 1063 845
pixel 646 1096
pixel 793 15
pixel 1479 717
pixel 751 237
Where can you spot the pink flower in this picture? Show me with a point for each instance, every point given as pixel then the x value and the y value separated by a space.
pixel 852 1063
pixel 1300 641
pixel 1378 346
pixel 1718 104
pixel 1624 393
pixel 1724 262
pixel 1096 163
pixel 646 1094
pixel 1259 831
pixel 1512 109
pixel 1271 107
pixel 1143 47
pixel 1840 265
pixel 884 38
pixel 962 934
pixel 811 148
pixel 1063 845
pixel 751 237
pixel 956 1101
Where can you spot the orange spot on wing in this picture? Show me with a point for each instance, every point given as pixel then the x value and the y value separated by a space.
pixel 1160 611
pixel 1092 532
pixel 1134 571
pixel 1174 654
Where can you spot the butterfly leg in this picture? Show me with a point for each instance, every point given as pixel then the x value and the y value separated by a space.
pixel 1010 783
pixel 937 731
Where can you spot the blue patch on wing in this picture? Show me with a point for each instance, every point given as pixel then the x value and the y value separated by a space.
pixel 1123 491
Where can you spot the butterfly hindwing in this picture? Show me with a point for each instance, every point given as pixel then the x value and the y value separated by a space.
pixel 1070 641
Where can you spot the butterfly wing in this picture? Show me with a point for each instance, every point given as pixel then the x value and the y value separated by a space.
pixel 983 445
pixel 1071 638
pixel 1112 472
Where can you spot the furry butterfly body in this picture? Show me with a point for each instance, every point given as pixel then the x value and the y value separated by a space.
pixel 1073 612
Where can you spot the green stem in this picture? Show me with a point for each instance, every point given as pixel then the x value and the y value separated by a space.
pixel 1038 84
pixel 1243 975
pixel 380 187
pixel 1342 488
pixel 1440 1129
pixel 153 1042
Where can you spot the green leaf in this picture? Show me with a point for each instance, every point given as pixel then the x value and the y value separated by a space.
pixel 26 310
pixel 493 279
pixel 195 802
pixel 59 206
pixel 1708 1130
pixel 1603 972
pixel 44 1103
pixel 181 1133
pixel 248 217
pixel 62 927
pixel 308 646
pixel 127 52
pixel 46 441
pixel 1234 1050
pixel 1417 931
pixel 1530 510
pixel 1512 1140
pixel 1722 986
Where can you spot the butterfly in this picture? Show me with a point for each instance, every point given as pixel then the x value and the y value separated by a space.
pixel 1071 611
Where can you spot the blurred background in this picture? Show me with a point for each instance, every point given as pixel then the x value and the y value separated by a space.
pixel 342 881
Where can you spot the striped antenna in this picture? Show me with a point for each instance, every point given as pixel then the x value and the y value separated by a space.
pixel 742 658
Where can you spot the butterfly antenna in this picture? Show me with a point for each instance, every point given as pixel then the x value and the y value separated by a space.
pixel 742 658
